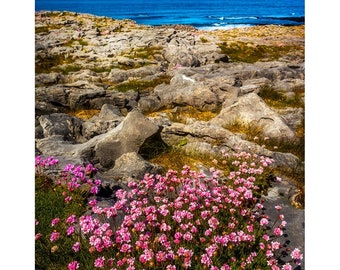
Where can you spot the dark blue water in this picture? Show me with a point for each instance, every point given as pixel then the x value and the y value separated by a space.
pixel 199 13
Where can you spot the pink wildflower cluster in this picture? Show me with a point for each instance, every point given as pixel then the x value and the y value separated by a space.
pixel 189 221
pixel 185 220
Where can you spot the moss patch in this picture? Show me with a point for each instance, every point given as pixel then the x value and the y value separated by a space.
pixel 251 53
pixel 141 85
pixel 278 100
pixel 144 53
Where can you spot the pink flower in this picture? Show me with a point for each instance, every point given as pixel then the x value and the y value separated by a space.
pixel 93 203
pixel 187 236
pixel 296 254
pixel 275 245
pixel 54 236
pixel 99 262
pixel 70 230
pixel 263 222
pixel 37 236
pixel 73 265
pixel 278 232
pixel 76 246
pixel 278 207
pixel 94 190
pixel 205 259
pixel 161 256
pixel 213 222
pixel 71 219
pixel 55 221
pixel 287 266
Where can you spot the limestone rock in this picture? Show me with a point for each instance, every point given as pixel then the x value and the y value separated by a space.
pixel 131 166
pixel 250 109
pixel 69 127
pixel 183 91
pixel 128 136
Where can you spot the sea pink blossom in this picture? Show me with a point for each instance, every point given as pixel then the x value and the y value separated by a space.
pixel 71 219
pixel 70 230
pixel 54 236
pixel 99 262
pixel 296 254
pixel 38 236
pixel 76 246
pixel 287 266
pixel 55 221
pixel 264 222
pixel 73 265
pixel 278 231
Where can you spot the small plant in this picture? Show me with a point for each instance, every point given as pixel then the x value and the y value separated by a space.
pixel 145 53
pixel 276 99
pixel 204 39
pixel 55 62
pixel 73 41
pixel 140 85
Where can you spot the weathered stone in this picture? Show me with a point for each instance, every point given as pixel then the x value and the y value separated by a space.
pixel 109 117
pixel 69 127
pixel 131 166
pixel 183 91
pixel 250 109
pixel 128 136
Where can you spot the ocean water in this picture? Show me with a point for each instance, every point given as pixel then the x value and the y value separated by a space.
pixel 202 14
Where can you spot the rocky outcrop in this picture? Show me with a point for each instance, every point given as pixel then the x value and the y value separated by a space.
pixel 104 149
pixel 250 109
pixel 126 70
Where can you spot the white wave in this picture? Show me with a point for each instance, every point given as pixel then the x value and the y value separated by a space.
pixel 224 27
pixel 241 18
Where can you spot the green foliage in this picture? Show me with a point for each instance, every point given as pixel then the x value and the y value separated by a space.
pixel 204 39
pixel 73 41
pixel 145 53
pixel 250 53
pixel 47 28
pixel 47 63
pixel 140 85
pixel 49 204
pixel 276 99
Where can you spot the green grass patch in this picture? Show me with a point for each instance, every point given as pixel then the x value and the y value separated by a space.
pixel 52 62
pixel 250 53
pixel 278 100
pixel 204 40
pixel 141 85
pixel 47 28
pixel 66 69
pixel 144 53
pixel 73 41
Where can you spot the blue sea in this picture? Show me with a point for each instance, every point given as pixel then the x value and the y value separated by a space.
pixel 202 14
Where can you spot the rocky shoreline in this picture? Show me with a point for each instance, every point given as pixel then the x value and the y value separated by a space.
pixel 108 91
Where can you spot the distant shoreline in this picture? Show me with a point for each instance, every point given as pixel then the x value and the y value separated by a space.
pixel 217 23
